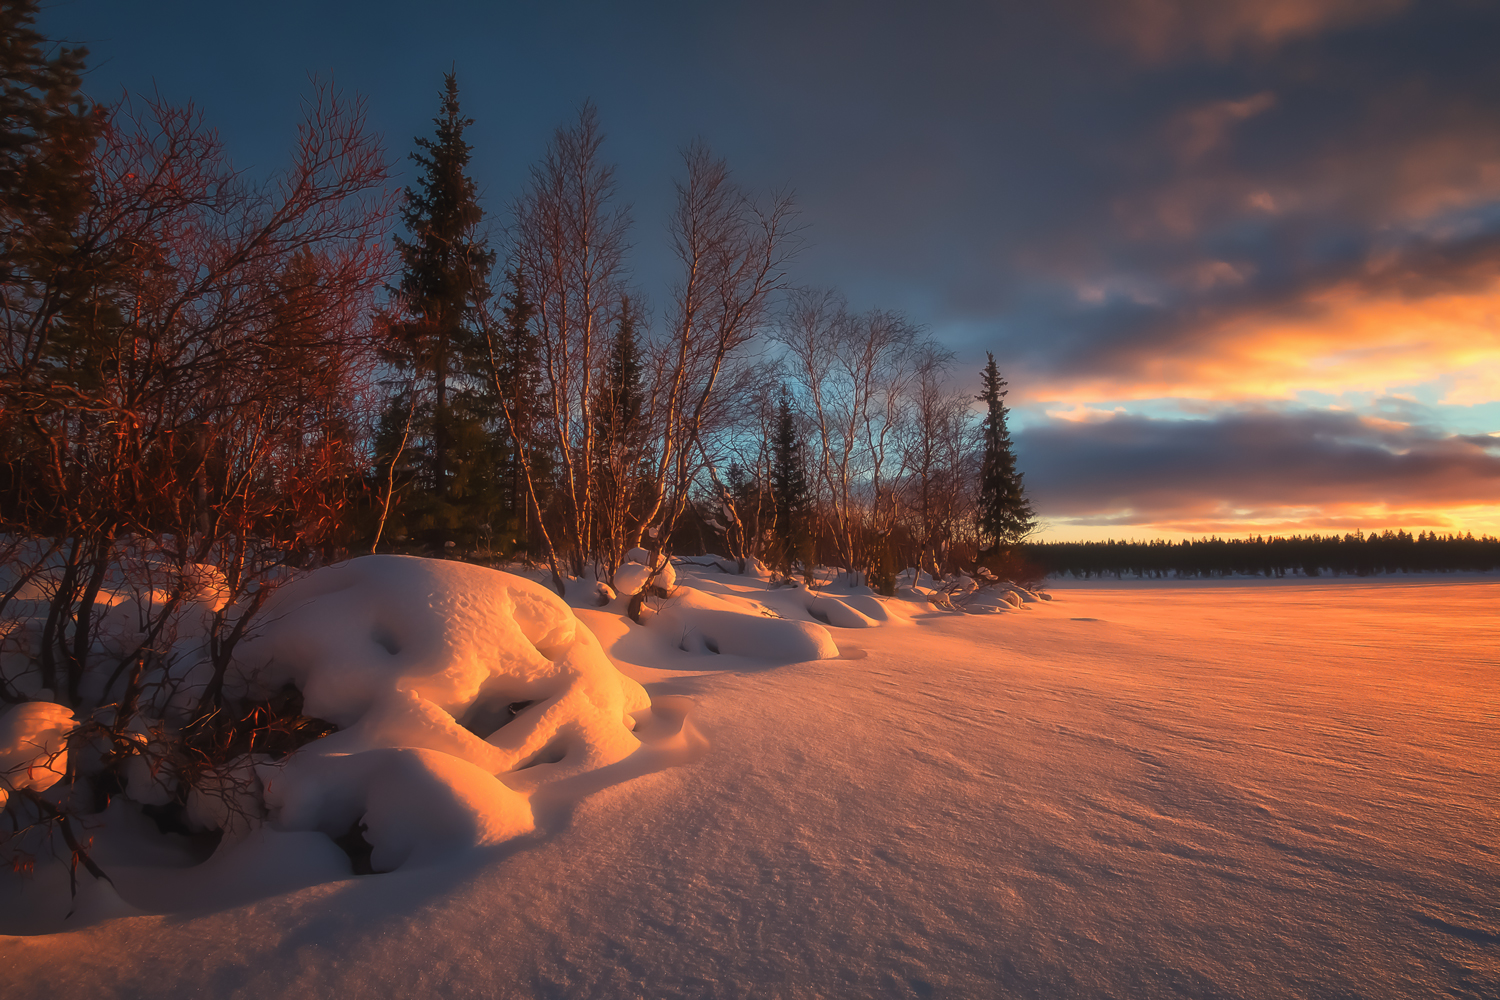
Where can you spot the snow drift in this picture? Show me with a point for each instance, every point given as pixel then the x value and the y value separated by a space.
pixel 454 694
pixel 33 746
pixel 457 689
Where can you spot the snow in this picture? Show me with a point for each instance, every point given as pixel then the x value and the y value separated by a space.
pixel 418 806
pixel 839 613
pixel 731 632
pixel 633 575
pixel 631 578
pixel 1247 789
pixel 460 694
pixel 33 746
pixel 458 689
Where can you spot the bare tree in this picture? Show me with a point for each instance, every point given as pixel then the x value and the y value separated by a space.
pixel 622 485
pixel 733 252
pixel 938 455
pixel 569 243
pixel 189 412
pixel 855 373
pixel 736 450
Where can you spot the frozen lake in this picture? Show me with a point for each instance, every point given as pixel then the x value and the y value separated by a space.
pixel 1252 789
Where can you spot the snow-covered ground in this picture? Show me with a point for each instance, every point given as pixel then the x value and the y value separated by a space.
pixel 1248 789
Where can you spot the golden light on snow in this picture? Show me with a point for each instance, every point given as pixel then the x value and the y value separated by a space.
pixel 1280 786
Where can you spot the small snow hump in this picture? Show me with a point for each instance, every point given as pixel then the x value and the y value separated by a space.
pixel 753 636
pixel 33 746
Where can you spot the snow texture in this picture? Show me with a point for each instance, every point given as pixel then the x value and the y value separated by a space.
pixel 457 688
pixel 1234 790
pixel 33 746
pixel 631 578
pixel 463 697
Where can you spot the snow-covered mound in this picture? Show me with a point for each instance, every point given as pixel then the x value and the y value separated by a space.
pixel 967 594
pixel 632 577
pixel 841 613
pixel 448 707
pixel 462 706
pixel 33 746
pixel 457 689
pixel 715 631
pixel 720 615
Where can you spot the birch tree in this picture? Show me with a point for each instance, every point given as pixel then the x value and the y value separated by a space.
pixel 569 245
pixel 939 464
pixel 854 373
pixel 732 252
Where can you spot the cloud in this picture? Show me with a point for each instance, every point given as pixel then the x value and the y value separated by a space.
pixel 1201 130
pixel 1408 156
pixel 1426 314
pixel 1156 30
pixel 1247 470
pixel 1081 414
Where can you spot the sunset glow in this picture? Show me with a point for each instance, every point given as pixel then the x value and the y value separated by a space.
pixel 862 499
pixel 1342 340
pixel 1193 217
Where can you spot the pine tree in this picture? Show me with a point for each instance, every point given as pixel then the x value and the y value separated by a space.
pixel 617 411
pixel 445 278
pixel 47 145
pixel 793 498
pixel 57 320
pixel 515 378
pixel 619 439
pixel 1005 514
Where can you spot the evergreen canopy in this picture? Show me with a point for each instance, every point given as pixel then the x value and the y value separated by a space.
pixel 1005 514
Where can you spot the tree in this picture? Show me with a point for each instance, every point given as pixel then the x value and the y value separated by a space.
pixel 1005 515
pixel 513 364
pixel 180 360
pixel 940 463
pixel 445 278
pixel 732 251
pixel 735 445
pixel 619 436
pixel 47 171
pixel 569 246
pixel 855 373
pixel 46 156
pixel 793 498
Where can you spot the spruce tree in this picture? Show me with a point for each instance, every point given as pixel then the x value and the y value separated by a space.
pixel 445 277
pixel 46 146
pixel 617 410
pixel 793 498
pixel 47 277
pixel 1005 514
pixel 619 439
pixel 516 378
pixel 59 324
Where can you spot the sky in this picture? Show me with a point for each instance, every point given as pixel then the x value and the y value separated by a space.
pixel 1238 259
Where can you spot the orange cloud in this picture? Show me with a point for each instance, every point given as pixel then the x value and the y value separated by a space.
pixel 1402 162
pixel 1081 414
pixel 1158 29
pixel 1267 471
pixel 1199 131
pixel 1345 338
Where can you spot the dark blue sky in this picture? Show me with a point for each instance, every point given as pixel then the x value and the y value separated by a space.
pixel 1175 223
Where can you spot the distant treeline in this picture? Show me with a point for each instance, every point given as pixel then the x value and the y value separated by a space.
pixel 1311 555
